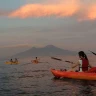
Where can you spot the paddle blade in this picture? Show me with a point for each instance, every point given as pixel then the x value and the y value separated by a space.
pixel 56 58
pixel 69 62
pixel 92 52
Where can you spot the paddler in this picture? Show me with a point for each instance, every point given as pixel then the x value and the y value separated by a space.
pixel 35 61
pixel 16 60
pixel 83 62
pixel 11 61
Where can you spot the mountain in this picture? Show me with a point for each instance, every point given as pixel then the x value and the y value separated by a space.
pixel 48 50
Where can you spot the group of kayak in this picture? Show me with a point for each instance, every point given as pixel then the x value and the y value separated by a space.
pixel 12 62
pixel 86 71
pixel 36 61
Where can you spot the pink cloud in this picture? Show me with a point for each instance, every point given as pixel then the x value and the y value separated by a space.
pixel 57 8
pixel 38 10
pixel 92 12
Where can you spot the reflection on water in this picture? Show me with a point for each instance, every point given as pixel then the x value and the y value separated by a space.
pixel 37 80
pixel 76 87
pixel 85 89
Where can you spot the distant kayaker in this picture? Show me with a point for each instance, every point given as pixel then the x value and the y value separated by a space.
pixel 11 60
pixel 36 61
pixel 83 62
pixel 36 58
pixel 16 60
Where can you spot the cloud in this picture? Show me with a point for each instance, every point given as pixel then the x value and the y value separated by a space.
pixel 61 9
pixel 92 12
pixel 78 9
pixel 87 12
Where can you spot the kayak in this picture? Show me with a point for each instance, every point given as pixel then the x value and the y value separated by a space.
pixel 11 62
pixel 74 75
pixel 35 61
pixel 8 62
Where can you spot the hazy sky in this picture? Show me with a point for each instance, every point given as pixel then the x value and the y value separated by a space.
pixel 68 24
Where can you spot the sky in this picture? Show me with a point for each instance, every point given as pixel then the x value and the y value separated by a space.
pixel 68 24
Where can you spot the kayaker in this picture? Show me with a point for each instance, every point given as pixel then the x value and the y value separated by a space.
pixel 35 61
pixel 11 60
pixel 16 61
pixel 83 62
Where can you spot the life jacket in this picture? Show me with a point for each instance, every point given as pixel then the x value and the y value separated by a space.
pixel 84 64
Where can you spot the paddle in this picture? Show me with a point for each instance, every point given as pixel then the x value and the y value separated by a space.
pixel 92 52
pixel 61 60
pixel 56 58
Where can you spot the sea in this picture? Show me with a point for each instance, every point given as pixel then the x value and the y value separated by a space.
pixel 27 79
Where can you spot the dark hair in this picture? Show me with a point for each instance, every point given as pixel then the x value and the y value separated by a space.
pixel 81 53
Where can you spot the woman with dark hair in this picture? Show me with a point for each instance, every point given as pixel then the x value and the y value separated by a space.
pixel 83 62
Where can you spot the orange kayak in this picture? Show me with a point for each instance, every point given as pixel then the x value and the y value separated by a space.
pixel 35 61
pixel 74 75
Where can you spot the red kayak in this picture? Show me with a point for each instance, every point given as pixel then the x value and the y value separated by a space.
pixel 74 75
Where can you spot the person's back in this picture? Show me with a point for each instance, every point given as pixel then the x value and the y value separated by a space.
pixel 83 64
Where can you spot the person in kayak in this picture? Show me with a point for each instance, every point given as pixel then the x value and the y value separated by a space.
pixel 83 62
pixel 36 61
pixel 11 60
pixel 16 60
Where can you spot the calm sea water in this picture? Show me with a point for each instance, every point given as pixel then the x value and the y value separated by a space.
pixel 37 80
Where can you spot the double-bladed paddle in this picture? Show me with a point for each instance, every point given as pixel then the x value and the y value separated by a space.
pixel 61 60
pixel 92 52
